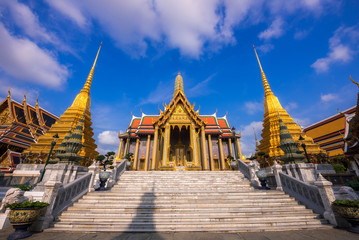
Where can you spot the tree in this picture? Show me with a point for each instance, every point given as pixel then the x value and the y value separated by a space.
pixel 106 160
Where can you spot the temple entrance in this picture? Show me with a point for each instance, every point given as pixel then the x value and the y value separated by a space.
pixel 180 151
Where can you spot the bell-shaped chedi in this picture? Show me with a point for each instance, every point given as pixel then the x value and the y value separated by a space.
pixel 273 110
pixel 81 105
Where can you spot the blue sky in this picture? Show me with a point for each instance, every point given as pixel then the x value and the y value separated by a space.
pixel 308 49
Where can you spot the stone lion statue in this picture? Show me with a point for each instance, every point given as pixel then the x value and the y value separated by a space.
pixel 13 195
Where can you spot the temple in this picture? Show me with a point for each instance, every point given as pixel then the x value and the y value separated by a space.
pixel 271 132
pixel 20 126
pixel 80 107
pixel 179 138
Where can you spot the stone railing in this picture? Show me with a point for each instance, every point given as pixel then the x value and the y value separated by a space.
pixel 120 168
pixel 70 193
pixel 318 197
pixel 116 173
pixel 305 193
pixel 244 168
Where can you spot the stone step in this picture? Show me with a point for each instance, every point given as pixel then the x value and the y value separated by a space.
pixel 119 210
pixel 192 229
pixel 184 201
pixel 159 219
pixel 298 212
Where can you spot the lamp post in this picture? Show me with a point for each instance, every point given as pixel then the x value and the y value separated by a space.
pixel 301 139
pixel 53 143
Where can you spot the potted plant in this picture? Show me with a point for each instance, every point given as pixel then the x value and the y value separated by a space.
pixel 349 210
pixel 22 215
pixel 106 162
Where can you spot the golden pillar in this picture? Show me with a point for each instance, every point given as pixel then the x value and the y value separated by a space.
pixel 120 153
pixel 230 147
pixel 154 149
pixel 166 144
pixel 147 151
pixel 210 152
pixel 239 148
pixel 221 153
pixel 136 154
pixel 205 160
pixel 194 144
pixel 127 146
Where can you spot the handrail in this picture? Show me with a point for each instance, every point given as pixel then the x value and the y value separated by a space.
pixel 120 168
pixel 307 194
pixel 71 192
pixel 244 168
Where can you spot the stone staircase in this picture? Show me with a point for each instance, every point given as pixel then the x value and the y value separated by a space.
pixel 186 201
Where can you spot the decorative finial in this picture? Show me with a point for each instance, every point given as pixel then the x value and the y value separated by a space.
pixel 267 90
pixel 25 95
pixel 354 81
pixel 178 84
pixel 88 83
pixel 9 91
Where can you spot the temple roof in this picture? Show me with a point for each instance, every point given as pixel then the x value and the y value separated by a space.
pixel 22 124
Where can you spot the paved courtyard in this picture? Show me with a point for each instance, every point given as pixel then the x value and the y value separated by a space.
pixel 331 234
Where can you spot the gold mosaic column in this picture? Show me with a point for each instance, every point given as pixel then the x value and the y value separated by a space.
pixel 120 153
pixel 194 144
pixel 230 147
pixel 210 151
pixel 127 146
pixel 221 153
pixel 154 149
pixel 147 151
pixel 239 149
pixel 165 149
pixel 205 160
pixel 136 154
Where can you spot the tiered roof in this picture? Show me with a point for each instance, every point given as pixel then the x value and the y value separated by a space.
pixel 22 124
pixel 146 123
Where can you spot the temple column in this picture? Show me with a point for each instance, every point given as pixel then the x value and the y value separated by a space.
pixel 154 149
pixel 136 154
pixel 127 145
pixel 147 151
pixel 230 147
pixel 239 149
pixel 194 144
pixel 120 153
pixel 221 153
pixel 210 151
pixel 166 144
pixel 205 160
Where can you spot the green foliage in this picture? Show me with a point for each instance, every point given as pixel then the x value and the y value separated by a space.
pixel 346 203
pixel 106 160
pixel 128 155
pixel 354 185
pixel 24 187
pixel 27 204
pixel 100 158
pixel 339 168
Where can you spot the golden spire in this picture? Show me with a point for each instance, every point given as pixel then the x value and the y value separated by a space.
pixel 88 83
pixel 178 83
pixel 267 90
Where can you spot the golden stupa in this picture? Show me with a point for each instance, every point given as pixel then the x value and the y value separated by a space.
pixel 270 133
pixel 72 116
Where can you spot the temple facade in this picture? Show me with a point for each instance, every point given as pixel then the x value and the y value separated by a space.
pixel 273 110
pixel 179 138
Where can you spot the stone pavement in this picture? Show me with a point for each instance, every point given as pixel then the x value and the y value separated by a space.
pixel 327 234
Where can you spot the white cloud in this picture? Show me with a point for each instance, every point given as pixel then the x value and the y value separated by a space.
pixel 291 106
pixel 342 47
pixel 24 60
pixel 189 26
pixel 275 30
pixel 161 94
pixel 328 97
pixel 253 107
pixel 265 47
pixel 18 93
pixel 201 88
pixel 248 144
pixel 109 138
